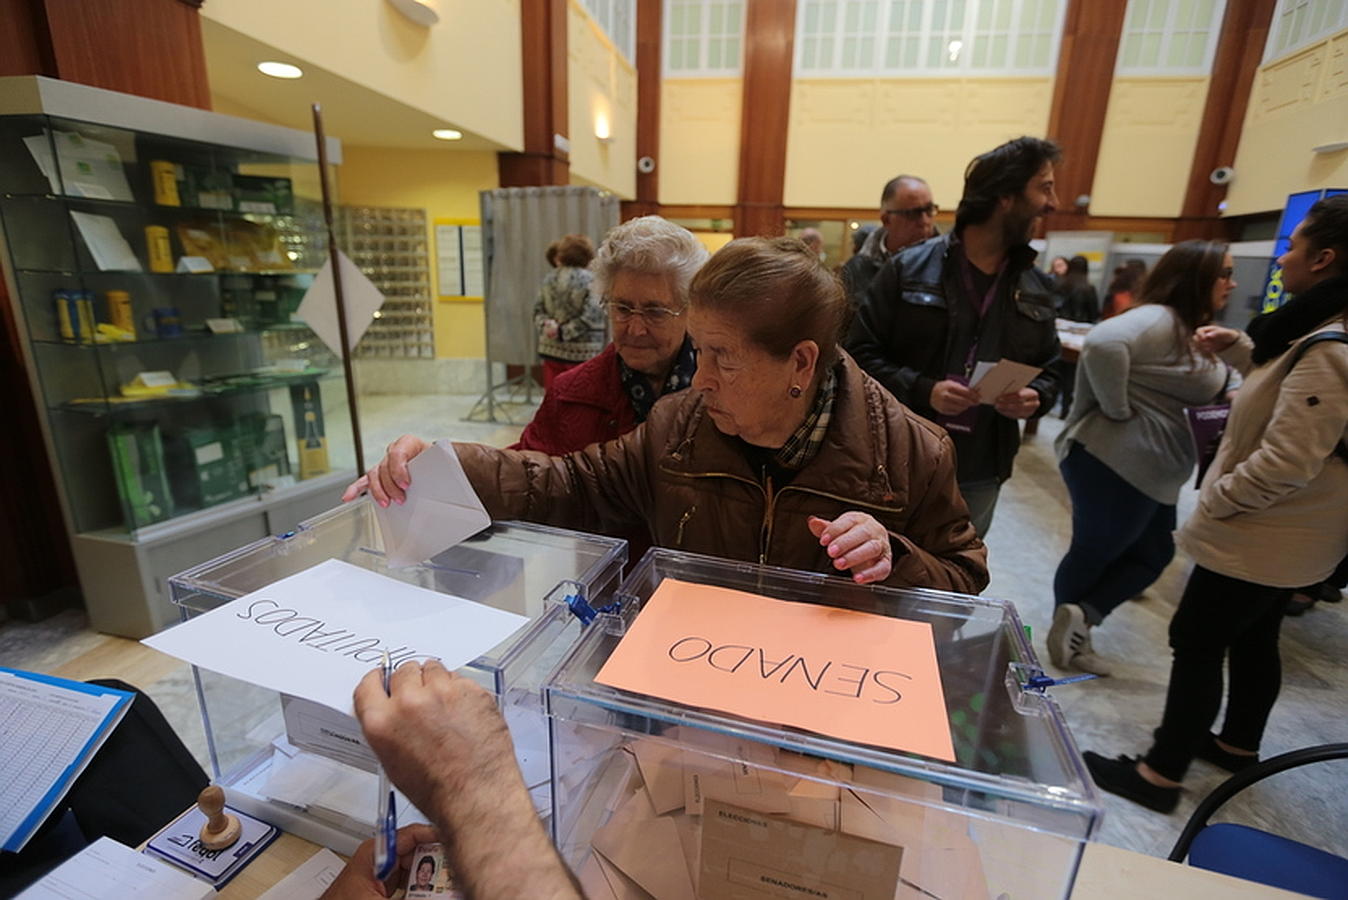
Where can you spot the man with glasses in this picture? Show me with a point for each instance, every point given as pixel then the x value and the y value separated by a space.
pixel 937 309
pixel 906 213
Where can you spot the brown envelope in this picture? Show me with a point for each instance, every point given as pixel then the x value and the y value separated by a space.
pixel 592 880
pixel 649 852
pixel 939 856
pixel 662 770
pixel 623 887
pixel 746 784
pixel 748 856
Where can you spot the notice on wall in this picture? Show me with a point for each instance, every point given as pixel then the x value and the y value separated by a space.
pixel 845 674
pixel 458 257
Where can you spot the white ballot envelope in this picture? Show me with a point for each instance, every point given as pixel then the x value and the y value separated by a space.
pixel 440 511
pixel 992 380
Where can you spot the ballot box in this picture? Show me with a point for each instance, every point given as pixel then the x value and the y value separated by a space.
pixel 717 796
pixel 306 767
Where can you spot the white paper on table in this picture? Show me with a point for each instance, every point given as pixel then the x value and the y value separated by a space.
pixel 109 249
pixel 310 880
pixel 315 634
pixel 107 870
pixel 441 509
pixel 992 380
pixel 318 309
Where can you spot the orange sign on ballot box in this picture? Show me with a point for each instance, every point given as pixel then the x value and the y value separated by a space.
pixel 840 673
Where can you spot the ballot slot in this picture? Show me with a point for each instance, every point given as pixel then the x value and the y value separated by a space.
pixel 743 804
pixel 284 761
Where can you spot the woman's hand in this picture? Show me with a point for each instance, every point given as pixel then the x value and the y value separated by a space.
pixel 856 541
pixel 551 329
pixel 388 481
pixel 356 881
pixel 1214 338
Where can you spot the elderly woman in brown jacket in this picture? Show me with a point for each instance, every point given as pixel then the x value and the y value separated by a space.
pixel 784 452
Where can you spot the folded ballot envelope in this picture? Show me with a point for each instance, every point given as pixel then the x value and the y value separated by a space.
pixel 441 509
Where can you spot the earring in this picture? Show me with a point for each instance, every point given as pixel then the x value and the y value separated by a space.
pixel 795 391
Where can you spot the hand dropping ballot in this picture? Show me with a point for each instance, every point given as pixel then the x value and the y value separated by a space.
pixel 440 511
pixel 315 634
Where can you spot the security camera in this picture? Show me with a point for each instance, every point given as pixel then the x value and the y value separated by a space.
pixel 646 165
pixel 1222 175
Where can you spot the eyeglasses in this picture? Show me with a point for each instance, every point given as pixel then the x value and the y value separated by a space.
pixel 916 212
pixel 649 315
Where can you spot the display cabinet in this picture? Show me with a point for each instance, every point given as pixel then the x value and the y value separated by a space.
pixel 154 256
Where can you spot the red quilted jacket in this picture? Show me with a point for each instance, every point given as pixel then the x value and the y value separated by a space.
pixel 586 405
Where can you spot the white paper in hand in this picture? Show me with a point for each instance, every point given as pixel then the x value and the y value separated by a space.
pixel 318 309
pixel 315 634
pixel 440 511
pixel 992 380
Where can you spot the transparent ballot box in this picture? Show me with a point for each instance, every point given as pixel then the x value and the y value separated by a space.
pixel 663 799
pixel 306 767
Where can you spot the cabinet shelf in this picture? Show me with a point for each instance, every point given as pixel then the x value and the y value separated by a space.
pixel 114 405
pixel 133 206
pixel 132 273
pixel 186 339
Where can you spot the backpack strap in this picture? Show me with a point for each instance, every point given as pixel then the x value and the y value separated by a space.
pixel 1340 450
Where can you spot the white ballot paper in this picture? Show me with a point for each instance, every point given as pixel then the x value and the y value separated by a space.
pixel 318 309
pixel 107 870
pixel 992 380
pixel 316 633
pixel 106 245
pixel 441 509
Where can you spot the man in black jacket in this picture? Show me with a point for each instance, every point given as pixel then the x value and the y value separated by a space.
pixel 906 212
pixel 938 308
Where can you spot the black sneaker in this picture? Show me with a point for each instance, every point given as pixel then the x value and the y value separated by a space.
pixel 1119 776
pixel 1224 759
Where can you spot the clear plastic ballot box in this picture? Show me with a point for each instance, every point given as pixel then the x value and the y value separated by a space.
pixel 680 801
pixel 305 767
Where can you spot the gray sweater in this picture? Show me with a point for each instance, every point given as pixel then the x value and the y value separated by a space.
pixel 1133 384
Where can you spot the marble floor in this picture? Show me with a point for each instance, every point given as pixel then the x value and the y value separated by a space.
pixel 1030 533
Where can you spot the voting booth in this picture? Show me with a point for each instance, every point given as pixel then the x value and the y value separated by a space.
pixel 715 798
pixel 305 767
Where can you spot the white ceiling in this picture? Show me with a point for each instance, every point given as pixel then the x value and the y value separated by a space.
pixel 351 112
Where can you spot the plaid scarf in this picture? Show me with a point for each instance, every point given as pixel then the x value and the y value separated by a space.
pixel 804 443
pixel 638 386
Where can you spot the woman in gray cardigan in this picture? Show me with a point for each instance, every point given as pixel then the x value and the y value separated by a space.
pixel 1126 451
pixel 1272 515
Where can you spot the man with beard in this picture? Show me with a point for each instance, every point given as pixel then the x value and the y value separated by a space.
pixel 938 308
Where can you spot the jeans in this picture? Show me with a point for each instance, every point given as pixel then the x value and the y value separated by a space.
pixel 1121 538
pixel 981 498
pixel 1219 619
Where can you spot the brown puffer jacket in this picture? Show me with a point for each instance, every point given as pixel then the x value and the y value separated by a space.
pixel 694 489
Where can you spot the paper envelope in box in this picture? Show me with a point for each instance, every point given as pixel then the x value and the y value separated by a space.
pixel 441 509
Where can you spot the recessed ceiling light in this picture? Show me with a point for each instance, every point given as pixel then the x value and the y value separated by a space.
pixel 279 69
pixel 447 134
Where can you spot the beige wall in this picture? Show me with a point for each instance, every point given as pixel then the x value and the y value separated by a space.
pixel 699 154
pixel 1151 130
pixel 445 183
pixel 601 85
pixel 465 70
pixel 1297 102
pixel 848 137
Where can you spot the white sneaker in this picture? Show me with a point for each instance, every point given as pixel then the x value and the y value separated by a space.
pixel 1090 661
pixel 1068 635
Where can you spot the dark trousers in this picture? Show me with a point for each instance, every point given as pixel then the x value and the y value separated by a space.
pixel 1121 538
pixel 1219 618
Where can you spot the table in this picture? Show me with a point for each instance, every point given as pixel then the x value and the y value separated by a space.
pixel 1107 873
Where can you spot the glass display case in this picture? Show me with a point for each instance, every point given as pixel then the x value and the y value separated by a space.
pixel 154 257
pixel 750 808
pixel 273 767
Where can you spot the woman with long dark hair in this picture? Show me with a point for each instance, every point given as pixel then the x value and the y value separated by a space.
pixel 1125 450
pixel 1272 515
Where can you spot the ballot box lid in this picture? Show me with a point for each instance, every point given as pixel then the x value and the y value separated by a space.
pixel 1011 747
pixel 532 570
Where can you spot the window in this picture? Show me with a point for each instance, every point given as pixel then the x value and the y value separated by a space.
pixel 703 37
pixel 1170 37
pixel 1297 23
pixel 618 19
pixel 843 38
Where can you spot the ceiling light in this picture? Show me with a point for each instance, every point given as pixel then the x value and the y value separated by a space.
pixel 279 69
pixel 447 134
pixel 953 50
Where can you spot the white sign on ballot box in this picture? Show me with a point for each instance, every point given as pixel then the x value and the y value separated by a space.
pixel 316 633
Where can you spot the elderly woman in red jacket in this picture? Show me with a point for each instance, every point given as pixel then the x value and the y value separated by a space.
pixel 641 273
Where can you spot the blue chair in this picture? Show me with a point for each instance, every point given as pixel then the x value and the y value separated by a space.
pixel 1244 852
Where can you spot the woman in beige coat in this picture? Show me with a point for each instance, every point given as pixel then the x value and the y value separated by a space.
pixel 1272 516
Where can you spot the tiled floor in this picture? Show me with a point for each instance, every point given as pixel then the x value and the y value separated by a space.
pixel 1113 715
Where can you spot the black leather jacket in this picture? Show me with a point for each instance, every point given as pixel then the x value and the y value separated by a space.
pixel 914 327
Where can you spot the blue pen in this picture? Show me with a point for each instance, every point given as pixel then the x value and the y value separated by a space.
pixel 386 823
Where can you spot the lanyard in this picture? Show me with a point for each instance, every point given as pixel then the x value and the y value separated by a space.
pixel 980 307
